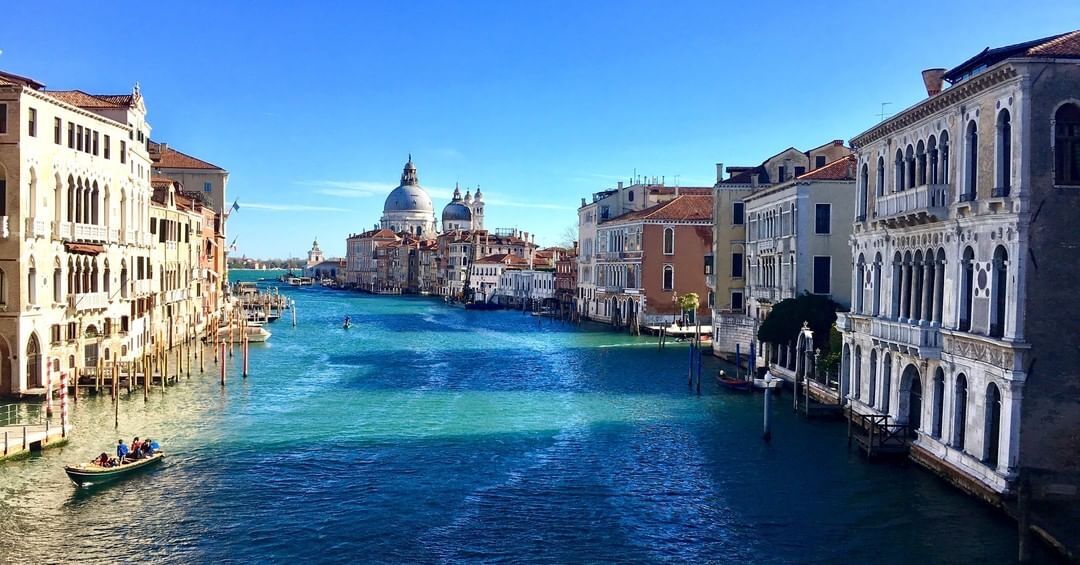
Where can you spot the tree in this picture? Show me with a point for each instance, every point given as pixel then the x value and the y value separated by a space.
pixel 689 302
pixel 786 319
pixel 568 236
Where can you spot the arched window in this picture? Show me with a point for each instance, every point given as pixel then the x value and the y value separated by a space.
pixel 880 188
pixel 845 373
pixel 909 162
pixel 920 163
pixel 939 402
pixel 943 149
pixel 873 377
pixel 95 198
pixel 898 175
pixel 31 195
pixel 1067 145
pixel 886 381
pixel 31 284
pixel 992 425
pixel 58 283
pixel 999 291
pixel 860 285
pixel 864 191
pixel 897 281
pixel 875 281
pixel 669 241
pixel 971 163
pixel 669 277
pixel 932 160
pixel 1003 178
pixel 967 288
pixel 959 412
pixel 33 363
pixel 858 372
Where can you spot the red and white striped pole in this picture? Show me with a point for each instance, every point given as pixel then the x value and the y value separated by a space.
pixel 223 363
pixel 63 404
pixel 48 388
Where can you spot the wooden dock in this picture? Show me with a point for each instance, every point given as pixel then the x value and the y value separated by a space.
pixel 875 436
pixel 21 439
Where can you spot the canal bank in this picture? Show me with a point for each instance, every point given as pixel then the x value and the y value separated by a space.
pixel 427 433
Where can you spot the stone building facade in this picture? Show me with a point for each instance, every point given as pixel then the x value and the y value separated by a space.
pixel 963 325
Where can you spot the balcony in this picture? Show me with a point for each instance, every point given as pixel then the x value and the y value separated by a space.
pixel 5 231
pixel 114 235
pixel 176 295
pixel 90 232
pixel 914 206
pixel 922 341
pixel 144 286
pixel 88 301
pixel 130 238
pixel 36 227
pixel 170 246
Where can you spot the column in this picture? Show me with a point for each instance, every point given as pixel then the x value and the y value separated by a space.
pixel 939 291
pixel 905 290
pixel 1008 444
pixel 928 290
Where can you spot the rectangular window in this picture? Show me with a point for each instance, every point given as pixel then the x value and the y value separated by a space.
pixel 781 174
pixel 55 333
pixel 819 161
pixel 708 264
pixel 799 170
pixel 78 138
pixel 3 118
pixel 58 131
pixel 96 143
pixel 737 300
pixel 86 140
pixel 737 265
pixel 738 215
pixel 108 147
pixel 822 275
pixel 71 135
pixel 207 187
pixel 153 225
pixel 33 123
pixel 823 219
pixel 123 151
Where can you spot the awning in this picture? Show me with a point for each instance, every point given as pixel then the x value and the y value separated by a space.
pixel 84 248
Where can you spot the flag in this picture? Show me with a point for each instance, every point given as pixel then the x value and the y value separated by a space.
pixel 235 205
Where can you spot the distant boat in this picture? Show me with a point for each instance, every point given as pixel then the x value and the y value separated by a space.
pixel 734 384
pixel 255 332
pixel 88 474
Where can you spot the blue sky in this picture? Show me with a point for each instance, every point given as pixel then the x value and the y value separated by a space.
pixel 314 107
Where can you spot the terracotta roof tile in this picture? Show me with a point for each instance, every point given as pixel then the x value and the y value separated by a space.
pixel 685 208
pixel 11 79
pixel 1067 45
pixel 840 169
pixel 166 157
pixel 94 101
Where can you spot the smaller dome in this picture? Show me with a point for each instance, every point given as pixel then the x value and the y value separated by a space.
pixel 456 211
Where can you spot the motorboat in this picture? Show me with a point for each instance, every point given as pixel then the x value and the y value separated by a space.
pixel 734 384
pixel 255 332
pixel 88 474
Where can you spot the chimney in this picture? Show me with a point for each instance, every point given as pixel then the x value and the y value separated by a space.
pixel 933 79
pixel 754 178
pixel 719 172
pixel 583 201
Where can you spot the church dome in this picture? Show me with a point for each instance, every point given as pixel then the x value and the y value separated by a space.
pixel 456 211
pixel 409 197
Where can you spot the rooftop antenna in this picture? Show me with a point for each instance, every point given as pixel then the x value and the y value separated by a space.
pixel 883 114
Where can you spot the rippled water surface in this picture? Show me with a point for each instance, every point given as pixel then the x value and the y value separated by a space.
pixel 427 433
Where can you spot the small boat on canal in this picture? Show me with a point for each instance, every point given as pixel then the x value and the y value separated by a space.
pixel 255 333
pixel 347 323
pixel 733 384
pixel 88 474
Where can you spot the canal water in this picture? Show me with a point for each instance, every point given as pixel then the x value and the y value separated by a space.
pixel 427 433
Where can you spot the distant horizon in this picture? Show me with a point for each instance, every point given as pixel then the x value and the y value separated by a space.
pixel 538 106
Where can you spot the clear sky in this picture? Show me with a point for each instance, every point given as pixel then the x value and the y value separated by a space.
pixel 313 107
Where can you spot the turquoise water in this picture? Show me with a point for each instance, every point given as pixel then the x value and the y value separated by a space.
pixel 428 434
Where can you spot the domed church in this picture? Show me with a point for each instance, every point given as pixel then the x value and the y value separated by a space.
pixel 464 213
pixel 408 208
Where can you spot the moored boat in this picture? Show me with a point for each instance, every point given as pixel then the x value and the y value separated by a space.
pixel 734 384
pixel 255 332
pixel 87 474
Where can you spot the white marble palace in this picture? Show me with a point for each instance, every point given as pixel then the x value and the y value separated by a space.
pixel 963 323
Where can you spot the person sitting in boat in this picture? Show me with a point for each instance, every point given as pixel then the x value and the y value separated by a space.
pixel 147 451
pixel 101 460
pixel 121 450
pixel 154 447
